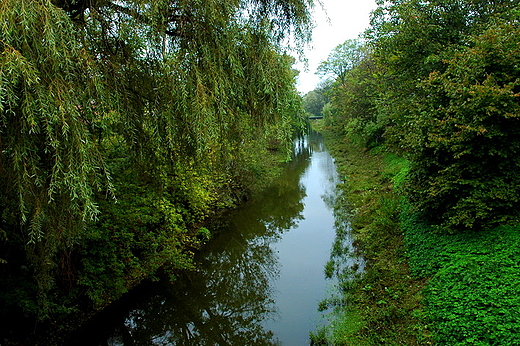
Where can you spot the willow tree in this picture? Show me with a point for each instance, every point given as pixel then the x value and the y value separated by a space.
pixel 164 85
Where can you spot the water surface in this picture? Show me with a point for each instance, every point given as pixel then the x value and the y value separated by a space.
pixel 259 281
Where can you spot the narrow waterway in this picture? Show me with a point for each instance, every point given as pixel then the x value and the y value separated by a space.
pixel 259 281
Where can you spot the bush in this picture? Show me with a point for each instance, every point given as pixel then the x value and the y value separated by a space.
pixel 467 151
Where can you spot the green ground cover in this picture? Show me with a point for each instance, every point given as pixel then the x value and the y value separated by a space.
pixel 474 278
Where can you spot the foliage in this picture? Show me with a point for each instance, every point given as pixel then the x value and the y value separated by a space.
pixel 343 58
pixel 354 92
pixel 314 101
pixel 51 168
pixel 471 296
pixel 442 83
pixel 464 160
pixel 167 109
pixel 133 239
pixel 355 104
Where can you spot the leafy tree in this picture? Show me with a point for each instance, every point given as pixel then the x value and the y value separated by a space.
pixel 416 42
pixel 354 93
pixel 409 40
pixel 314 101
pixel 157 96
pixel 464 164
pixel 355 104
pixel 342 59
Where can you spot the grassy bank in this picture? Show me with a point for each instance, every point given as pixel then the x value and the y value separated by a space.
pixel 419 287
pixel 384 305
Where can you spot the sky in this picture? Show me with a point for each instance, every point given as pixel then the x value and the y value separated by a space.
pixel 346 20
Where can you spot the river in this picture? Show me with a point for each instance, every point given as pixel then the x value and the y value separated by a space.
pixel 259 281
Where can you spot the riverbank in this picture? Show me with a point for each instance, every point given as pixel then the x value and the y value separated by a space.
pixel 384 306
pixel 419 287
pixel 145 236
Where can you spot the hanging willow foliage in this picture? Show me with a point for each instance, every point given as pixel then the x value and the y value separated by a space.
pixel 49 160
pixel 166 85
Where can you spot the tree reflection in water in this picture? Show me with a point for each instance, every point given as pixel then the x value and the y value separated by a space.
pixel 225 301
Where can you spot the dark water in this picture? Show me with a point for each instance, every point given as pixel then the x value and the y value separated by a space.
pixel 259 281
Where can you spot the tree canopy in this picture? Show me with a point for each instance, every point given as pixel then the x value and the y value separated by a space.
pixel 97 96
pixel 438 82
pixel 314 101
pixel 343 58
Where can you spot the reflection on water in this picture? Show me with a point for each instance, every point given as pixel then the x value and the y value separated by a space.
pixel 259 281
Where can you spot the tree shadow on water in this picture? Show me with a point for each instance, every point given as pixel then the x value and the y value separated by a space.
pixel 226 300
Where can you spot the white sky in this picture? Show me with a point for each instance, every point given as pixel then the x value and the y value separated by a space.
pixel 348 18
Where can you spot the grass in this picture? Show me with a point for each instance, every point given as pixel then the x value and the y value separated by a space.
pixel 419 287
pixel 384 306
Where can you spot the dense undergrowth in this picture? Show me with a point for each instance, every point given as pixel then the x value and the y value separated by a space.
pixel 472 294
